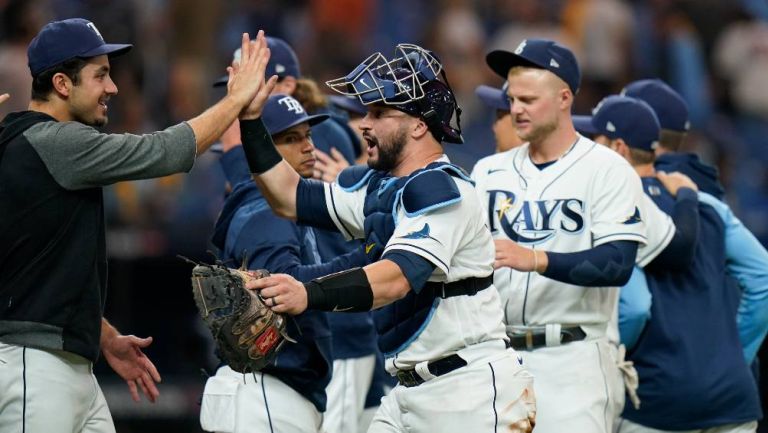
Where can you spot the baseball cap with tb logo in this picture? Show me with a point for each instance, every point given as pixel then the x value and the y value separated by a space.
pixel 59 41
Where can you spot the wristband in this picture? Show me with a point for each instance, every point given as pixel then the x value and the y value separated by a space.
pixel 259 149
pixel 347 291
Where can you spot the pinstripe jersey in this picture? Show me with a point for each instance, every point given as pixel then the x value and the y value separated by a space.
pixel 590 196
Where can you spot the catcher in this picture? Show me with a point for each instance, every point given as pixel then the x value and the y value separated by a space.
pixel 288 394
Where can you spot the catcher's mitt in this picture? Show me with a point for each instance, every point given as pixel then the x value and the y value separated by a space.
pixel 247 333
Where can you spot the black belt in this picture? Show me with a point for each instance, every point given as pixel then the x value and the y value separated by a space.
pixel 534 339
pixel 440 367
pixel 468 286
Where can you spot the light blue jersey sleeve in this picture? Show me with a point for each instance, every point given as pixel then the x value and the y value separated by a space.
pixel 747 262
pixel 634 308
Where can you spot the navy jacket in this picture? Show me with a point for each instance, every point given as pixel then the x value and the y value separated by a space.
pixel 692 370
pixel 247 228
pixel 705 176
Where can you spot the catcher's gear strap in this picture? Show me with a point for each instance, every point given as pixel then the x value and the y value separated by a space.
pixel 429 190
pixel 347 291
pixel 258 146
pixel 353 178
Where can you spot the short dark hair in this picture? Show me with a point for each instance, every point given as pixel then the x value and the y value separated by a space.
pixel 42 83
pixel 671 140
pixel 641 157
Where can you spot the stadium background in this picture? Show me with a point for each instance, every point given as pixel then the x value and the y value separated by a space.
pixel 714 52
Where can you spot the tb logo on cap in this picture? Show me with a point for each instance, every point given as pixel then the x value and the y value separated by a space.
pixel 95 30
pixel 291 105
pixel 520 47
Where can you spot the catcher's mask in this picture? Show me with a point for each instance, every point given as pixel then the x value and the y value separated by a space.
pixel 413 81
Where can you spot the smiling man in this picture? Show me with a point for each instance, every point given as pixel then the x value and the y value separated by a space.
pixel 53 165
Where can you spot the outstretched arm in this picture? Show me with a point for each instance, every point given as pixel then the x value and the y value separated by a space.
pixel 354 290
pixel 246 84
pixel 609 264
pixel 124 355
pixel 276 178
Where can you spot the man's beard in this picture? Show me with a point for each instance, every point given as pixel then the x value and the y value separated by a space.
pixel 388 154
pixel 539 133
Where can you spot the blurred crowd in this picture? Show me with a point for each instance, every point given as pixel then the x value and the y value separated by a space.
pixel 714 52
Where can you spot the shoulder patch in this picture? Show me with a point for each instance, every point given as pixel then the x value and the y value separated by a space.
pixel 355 177
pixel 429 190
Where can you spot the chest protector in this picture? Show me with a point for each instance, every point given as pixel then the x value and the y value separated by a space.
pixel 425 190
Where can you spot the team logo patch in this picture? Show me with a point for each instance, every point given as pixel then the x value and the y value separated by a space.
pixel 420 234
pixel 291 104
pixel 634 219
pixel 521 47
pixel 95 30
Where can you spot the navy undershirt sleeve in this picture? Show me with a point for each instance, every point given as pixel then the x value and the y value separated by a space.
pixel 678 255
pixel 609 264
pixel 310 205
pixel 276 246
pixel 416 269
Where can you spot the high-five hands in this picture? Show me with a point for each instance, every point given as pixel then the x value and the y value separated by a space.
pixel 247 83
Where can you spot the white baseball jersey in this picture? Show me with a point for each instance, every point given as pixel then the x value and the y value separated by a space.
pixel 589 197
pixel 455 239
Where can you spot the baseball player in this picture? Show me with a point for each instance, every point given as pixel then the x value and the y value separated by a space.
pixel 671 243
pixel 678 390
pixel 746 257
pixel 437 313
pixel 354 342
pixel 503 127
pixel 53 165
pixel 289 395
pixel 566 216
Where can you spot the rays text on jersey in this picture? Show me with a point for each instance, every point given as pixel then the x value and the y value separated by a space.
pixel 534 221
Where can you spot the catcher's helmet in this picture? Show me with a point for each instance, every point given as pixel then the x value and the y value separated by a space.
pixel 413 81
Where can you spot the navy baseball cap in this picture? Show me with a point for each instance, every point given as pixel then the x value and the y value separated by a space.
pixel 282 61
pixel 583 125
pixel 494 97
pixel 541 54
pixel 629 119
pixel 283 112
pixel 670 107
pixel 59 41
pixel 348 103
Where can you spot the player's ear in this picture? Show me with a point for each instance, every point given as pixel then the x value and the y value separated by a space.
pixel 61 84
pixel 622 148
pixel 565 97
pixel 419 129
